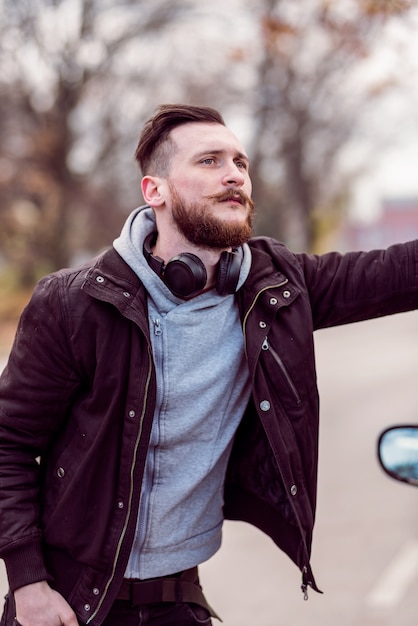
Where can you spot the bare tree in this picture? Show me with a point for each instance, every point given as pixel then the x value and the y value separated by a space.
pixel 307 108
pixel 77 79
pixel 65 68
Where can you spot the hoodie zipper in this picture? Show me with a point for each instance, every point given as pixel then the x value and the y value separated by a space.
pixel 157 327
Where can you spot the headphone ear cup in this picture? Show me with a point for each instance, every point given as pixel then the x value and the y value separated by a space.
pixel 228 273
pixel 185 275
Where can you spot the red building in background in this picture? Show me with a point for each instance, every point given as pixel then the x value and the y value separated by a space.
pixel 398 222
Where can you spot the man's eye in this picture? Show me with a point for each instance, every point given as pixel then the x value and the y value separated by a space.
pixel 241 164
pixel 208 161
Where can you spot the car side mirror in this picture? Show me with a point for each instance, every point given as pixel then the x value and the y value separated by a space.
pixel 398 453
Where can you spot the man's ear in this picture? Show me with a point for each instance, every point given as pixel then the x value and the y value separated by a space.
pixel 152 190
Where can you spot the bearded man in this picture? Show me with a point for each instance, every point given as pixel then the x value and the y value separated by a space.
pixel 167 385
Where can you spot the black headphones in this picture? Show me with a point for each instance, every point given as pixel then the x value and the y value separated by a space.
pixel 185 274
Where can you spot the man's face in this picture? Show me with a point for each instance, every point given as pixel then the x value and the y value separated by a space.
pixel 209 186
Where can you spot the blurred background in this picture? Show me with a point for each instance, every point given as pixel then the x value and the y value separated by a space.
pixel 323 94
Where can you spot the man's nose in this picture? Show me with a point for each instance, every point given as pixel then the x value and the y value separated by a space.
pixel 233 176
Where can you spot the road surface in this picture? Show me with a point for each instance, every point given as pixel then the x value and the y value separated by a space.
pixel 365 554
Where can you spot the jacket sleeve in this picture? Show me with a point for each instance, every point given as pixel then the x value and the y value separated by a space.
pixel 36 390
pixel 357 286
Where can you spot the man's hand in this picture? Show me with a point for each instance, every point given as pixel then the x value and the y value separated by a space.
pixel 39 605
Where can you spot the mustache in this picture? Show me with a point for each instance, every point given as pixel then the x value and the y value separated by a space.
pixel 233 194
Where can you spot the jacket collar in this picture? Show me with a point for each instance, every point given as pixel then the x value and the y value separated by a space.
pixel 265 270
pixel 110 279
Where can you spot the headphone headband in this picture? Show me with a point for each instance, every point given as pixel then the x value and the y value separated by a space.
pixel 154 262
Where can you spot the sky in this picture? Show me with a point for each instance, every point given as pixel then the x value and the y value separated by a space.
pixel 393 166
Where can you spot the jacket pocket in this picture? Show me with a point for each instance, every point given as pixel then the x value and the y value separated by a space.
pixel 283 370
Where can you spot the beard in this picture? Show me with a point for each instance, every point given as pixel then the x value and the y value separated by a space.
pixel 198 224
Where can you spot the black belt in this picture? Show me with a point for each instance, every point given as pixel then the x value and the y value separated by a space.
pixel 181 587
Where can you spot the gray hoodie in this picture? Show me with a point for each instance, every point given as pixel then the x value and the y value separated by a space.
pixel 202 390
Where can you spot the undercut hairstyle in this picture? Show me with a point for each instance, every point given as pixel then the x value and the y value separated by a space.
pixel 155 148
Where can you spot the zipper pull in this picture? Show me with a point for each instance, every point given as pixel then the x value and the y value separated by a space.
pixel 305 583
pixel 157 327
pixel 265 345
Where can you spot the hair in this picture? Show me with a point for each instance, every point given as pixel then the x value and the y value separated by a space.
pixel 155 148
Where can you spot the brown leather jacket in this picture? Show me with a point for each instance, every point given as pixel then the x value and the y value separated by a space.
pixel 77 400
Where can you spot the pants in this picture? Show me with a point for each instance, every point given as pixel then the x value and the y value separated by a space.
pixel 161 614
